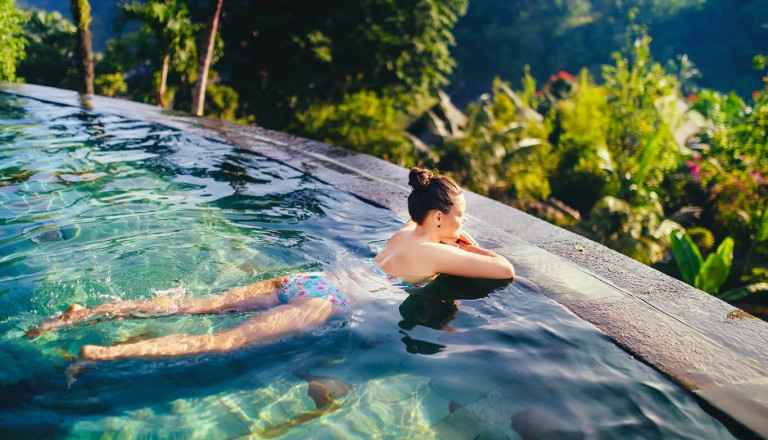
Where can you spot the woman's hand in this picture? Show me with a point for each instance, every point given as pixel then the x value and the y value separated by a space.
pixel 465 238
pixel 451 243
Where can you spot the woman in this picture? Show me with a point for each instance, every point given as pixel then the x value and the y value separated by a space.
pixel 431 243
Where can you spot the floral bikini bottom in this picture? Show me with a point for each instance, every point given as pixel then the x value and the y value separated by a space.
pixel 311 284
pixel 316 285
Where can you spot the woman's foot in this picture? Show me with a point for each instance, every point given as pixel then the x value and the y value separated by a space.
pixel 74 313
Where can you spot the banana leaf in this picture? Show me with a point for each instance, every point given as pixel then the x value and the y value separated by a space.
pixel 687 255
pixel 762 233
pixel 715 270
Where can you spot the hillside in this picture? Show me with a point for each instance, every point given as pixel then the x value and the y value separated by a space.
pixel 499 37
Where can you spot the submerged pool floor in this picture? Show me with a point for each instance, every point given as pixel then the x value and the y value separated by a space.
pixel 95 207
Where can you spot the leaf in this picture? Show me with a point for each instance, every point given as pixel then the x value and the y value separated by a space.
pixel 744 291
pixel 759 62
pixel 687 255
pixel 649 153
pixel 715 270
pixel 762 233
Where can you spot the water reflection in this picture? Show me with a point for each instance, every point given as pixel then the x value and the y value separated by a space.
pixel 436 305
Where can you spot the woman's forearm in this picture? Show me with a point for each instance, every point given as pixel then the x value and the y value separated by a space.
pixel 499 259
pixel 478 250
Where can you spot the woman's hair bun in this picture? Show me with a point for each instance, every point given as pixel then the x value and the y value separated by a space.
pixel 419 178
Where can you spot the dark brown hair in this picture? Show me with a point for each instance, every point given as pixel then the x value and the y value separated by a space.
pixel 430 191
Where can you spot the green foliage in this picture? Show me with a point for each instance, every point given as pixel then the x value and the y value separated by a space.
pixel 717 266
pixel 174 33
pixel 499 37
pixel 503 151
pixel 748 291
pixel 638 137
pixel 221 101
pixel 134 56
pixel 687 256
pixel 733 172
pixel 585 162
pixel 169 22
pixel 615 148
pixel 12 43
pixel 110 84
pixel 708 275
pixel 288 61
pixel 638 230
pixel 363 121
pixel 83 20
pixel 50 51
pixel 760 61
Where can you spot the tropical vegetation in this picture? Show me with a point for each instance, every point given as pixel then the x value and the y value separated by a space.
pixel 12 43
pixel 629 151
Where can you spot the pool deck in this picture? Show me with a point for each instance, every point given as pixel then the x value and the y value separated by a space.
pixel 690 336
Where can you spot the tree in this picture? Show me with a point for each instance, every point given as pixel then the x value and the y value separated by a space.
pixel 136 58
pixel 12 43
pixel 81 13
pixel 641 103
pixel 170 24
pixel 204 61
pixel 503 149
pixel 49 61
pixel 295 53
pixel 363 121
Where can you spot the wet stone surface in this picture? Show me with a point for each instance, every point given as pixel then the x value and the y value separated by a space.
pixel 698 310
pixel 669 345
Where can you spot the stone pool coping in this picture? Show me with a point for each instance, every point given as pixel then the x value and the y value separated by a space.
pixel 681 331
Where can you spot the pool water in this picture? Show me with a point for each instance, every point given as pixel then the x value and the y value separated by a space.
pixel 95 208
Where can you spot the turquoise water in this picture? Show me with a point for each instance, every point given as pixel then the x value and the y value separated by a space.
pixel 96 208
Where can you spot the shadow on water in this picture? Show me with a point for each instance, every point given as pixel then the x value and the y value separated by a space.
pixel 436 305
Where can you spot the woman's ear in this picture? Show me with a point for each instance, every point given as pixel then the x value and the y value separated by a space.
pixel 437 217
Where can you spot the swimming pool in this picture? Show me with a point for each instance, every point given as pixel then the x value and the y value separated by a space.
pixel 96 207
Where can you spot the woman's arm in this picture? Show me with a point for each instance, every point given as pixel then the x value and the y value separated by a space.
pixel 469 260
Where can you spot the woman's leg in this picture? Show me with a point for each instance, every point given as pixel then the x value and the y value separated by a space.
pixel 298 314
pixel 251 297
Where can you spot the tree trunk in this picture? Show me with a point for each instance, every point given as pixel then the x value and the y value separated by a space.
pixel 163 81
pixel 204 63
pixel 81 13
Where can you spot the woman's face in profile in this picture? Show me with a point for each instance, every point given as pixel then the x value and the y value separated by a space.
pixel 450 226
